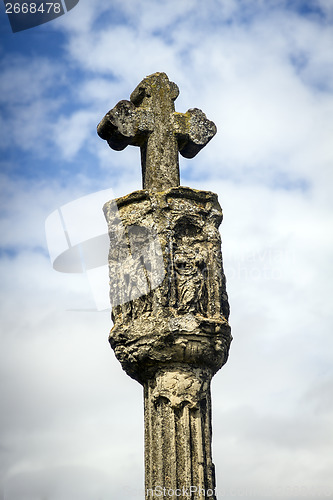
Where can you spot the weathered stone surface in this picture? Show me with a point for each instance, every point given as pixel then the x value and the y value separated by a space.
pixel 167 288
pixel 184 319
pixel 149 121
pixel 178 433
pixel 171 329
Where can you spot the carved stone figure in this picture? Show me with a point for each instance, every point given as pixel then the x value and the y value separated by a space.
pixel 191 280
pixel 167 286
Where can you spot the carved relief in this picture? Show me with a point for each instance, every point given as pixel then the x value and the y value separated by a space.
pixel 135 267
pixel 190 266
pixel 180 387
pixel 167 284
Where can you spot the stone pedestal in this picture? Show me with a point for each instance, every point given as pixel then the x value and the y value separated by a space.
pixel 170 311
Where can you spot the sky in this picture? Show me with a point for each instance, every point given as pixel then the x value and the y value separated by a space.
pixel 71 420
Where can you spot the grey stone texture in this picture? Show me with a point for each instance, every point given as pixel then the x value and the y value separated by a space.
pixel 149 121
pixel 167 287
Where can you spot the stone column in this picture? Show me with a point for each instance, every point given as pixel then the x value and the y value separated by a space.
pixel 171 333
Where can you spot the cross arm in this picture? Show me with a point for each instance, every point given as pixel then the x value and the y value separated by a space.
pixel 193 131
pixel 120 126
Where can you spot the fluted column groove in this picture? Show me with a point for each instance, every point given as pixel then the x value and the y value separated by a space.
pixel 178 434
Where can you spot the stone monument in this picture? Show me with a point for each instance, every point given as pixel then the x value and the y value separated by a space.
pixel 167 288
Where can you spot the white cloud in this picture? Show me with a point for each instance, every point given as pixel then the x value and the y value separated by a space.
pixel 71 133
pixel 29 101
pixel 23 81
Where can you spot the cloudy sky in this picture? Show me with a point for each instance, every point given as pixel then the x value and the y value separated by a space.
pixel 262 70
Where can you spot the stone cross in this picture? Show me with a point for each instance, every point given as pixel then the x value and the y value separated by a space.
pixel 149 121
pixel 167 288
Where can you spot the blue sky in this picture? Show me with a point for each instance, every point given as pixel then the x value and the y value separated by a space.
pixel 71 420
